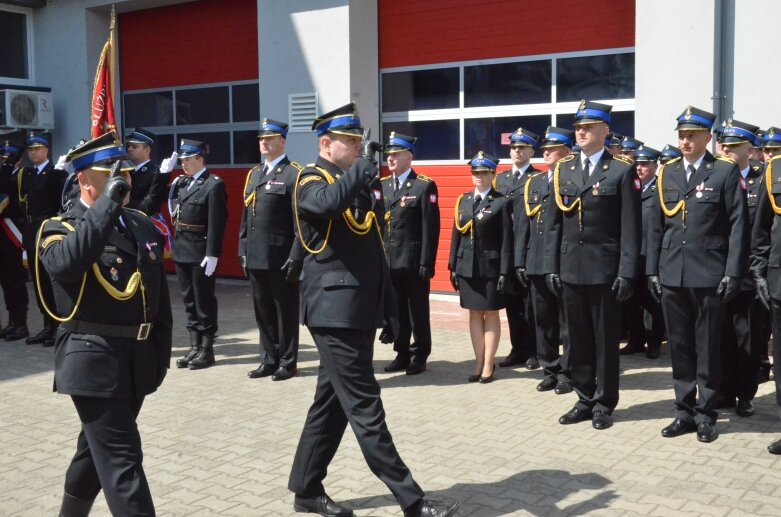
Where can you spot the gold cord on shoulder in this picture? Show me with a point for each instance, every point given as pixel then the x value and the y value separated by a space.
pixel 466 227
pixel 530 212
pixel 38 279
pixel 557 197
pixel 679 207
pixel 769 185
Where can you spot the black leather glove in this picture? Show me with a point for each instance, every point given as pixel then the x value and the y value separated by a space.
pixel 454 280
pixel 624 288
pixel 116 187
pixel 520 274
pixel 553 281
pixel 292 269
pixel 370 150
pixel 390 330
pixel 728 289
pixel 365 169
pixel 655 288
pixel 501 284
pixel 761 288
pixel 425 273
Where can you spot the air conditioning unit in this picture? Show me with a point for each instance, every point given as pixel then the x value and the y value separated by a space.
pixel 22 109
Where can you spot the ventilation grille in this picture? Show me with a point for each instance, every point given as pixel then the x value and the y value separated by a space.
pixel 302 111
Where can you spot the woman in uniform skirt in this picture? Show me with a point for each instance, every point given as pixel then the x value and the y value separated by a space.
pixel 481 261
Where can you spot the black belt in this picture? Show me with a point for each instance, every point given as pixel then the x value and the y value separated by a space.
pixel 139 332
pixel 196 228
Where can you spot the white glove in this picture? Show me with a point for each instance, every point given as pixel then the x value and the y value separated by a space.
pixel 63 164
pixel 210 263
pixel 169 163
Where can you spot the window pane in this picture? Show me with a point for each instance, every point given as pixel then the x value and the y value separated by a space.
pixel 487 134
pixel 419 90
pixel 246 103
pixel 202 106
pixel 245 147
pixel 508 83
pixel 13 41
pixel 622 122
pixel 437 139
pixel 219 146
pixel 149 109
pixel 596 77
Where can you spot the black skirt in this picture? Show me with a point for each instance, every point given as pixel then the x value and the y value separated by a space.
pixel 479 294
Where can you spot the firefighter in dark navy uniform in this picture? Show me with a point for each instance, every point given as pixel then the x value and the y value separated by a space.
pixel 150 182
pixel 411 238
pixel 113 346
pixel 697 253
pixel 519 310
pixel 345 295
pixel 591 260
pixel 271 253
pixel 199 215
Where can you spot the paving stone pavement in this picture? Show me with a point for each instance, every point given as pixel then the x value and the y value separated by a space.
pixel 218 443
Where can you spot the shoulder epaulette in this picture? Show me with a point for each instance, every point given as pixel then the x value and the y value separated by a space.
pixel 255 168
pixel 535 174
pixel 387 178
pixel 297 166
pixel 567 158
pixel 311 165
pixel 725 159
pixel 423 178
pixel 674 160
pixel 622 159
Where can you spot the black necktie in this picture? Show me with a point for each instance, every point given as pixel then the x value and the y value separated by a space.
pixel 586 170
pixel 691 171
pixel 476 202
pixel 265 169
pixel 517 176
pixel 398 185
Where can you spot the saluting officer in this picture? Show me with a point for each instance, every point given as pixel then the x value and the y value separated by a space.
pixel 114 345
pixel 645 323
pixel 199 215
pixel 150 182
pixel 530 215
pixel 13 274
pixel 39 190
pixel 697 253
pixel 271 253
pixel 345 295
pixel 591 260
pixel 746 321
pixel 411 238
pixel 518 306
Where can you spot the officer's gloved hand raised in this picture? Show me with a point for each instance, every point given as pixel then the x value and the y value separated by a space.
pixel 760 287
pixel 520 274
pixel 655 288
pixel 209 264
pixel 728 288
pixel 64 165
pixel 292 269
pixel 168 164
pixel 553 281
pixel 454 280
pixel 370 151
pixel 623 287
pixel 390 330
pixel 116 187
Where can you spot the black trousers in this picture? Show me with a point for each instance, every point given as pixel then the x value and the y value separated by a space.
pixel 30 234
pixel 276 313
pixel 775 325
pixel 108 456
pixel 13 278
pixel 414 316
pixel 546 309
pixel 347 391
pixel 645 323
pixel 200 304
pixel 694 318
pixel 520 320
pixel 740 347
pixel 594 324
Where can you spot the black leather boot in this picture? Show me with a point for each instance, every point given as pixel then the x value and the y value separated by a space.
pixel 205 357
pixel 39 338
pixel 195 344
pixel 16 330
pixel 75 507
pixel 4 331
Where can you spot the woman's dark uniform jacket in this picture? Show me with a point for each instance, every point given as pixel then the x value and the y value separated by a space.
pixel 203 208
pixel 95 362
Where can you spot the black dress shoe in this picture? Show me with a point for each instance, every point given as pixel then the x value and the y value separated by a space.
pixel 653 352
pixel 706 432
pixel 4 331
pixel 416 368
pixel 744 408
pixel 264 370
pixel 678 428
pixel 283 374
pixel 430 508
pixel 563 387
pixel 512 360
pixel 17 332
pixel 321 504
pixel 775 447
pixel 532 363
pixel 473 378
pixel 49 341
pixel 547 384
pixel 39 338
pixel 575 415
pixel 490 378
pixel 601 421
pixel 400 364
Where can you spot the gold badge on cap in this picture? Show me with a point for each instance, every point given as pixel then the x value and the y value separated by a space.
pixel 688 114
pixel 582 104
pixel 480 154
pixel 771 133
pixel 729 122
pixel 393 134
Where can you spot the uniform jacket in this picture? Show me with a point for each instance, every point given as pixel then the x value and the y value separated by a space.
pixel 104 366
pixel 486 251
pixel 203 204
pixel 412 223
pixel 149 189
pixel 8 186
pixel 347 284
pixel 39 197
pixel 506 185
pixel 603 241
pixel 530 231
pixel 71 192
pixel 267 234
pixel 755 187
pixel 766 233
pixel 647 199
pixel 714 240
